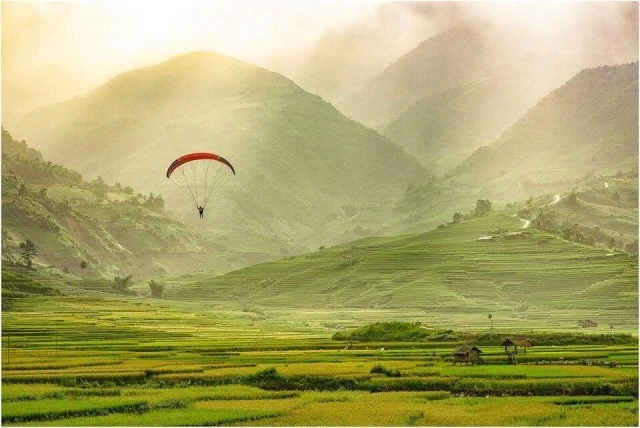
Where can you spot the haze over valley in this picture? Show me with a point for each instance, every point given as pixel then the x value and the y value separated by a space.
pixel 220 213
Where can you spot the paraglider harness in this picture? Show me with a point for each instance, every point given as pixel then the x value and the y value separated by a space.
pixel 201 210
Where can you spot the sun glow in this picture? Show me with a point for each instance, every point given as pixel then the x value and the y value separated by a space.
pixel 55 50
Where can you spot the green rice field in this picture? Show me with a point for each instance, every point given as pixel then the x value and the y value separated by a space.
pixel 129 362
pixel 255 347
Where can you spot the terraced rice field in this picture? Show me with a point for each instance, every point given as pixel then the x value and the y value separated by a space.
pixel 445 275
pixel 254 347
pixel 131 363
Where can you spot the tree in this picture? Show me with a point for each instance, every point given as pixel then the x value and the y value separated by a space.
pixel 491 321
pixel 149 201
pixel 22 190
pixel 483 207
pixel 158 203
pixel 83 264
pixel 157 289
pixel 457 218
pixel 545 220
pixel 27 252
pixel 99 187
pixel 122 284
pixel 612 243
pixel 567 230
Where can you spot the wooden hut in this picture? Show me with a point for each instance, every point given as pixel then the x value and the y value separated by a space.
pixel 466 354
pixel 515 342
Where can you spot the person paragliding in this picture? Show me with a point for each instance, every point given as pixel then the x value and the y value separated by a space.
pixel 200 173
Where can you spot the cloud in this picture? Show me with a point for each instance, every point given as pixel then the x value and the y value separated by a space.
pixel 55 50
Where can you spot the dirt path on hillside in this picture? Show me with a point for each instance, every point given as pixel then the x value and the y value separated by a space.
pixel 526 223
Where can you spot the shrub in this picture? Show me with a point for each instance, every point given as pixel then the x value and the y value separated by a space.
pixel 122 284
pixel 157 289
pixel 385 371
pixel 385 332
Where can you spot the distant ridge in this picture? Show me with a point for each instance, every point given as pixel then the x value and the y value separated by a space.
pixel 588 125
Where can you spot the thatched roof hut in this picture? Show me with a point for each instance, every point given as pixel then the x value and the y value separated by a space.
pixel 466 354
pixel 515 342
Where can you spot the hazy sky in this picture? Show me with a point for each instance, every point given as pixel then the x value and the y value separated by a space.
pixel 54 50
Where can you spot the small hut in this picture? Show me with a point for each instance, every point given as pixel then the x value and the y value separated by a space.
pixel 466 354
pixel 514 342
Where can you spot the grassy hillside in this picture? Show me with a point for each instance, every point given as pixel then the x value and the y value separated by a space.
pixel 70 221
pixel 537 281
pixel 444 129
pixel 587 126
pixel 298 159
pixel 604 212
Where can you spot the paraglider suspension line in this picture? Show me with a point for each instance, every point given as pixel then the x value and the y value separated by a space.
pixel 217 179
pixel 195 182
pixel 189 188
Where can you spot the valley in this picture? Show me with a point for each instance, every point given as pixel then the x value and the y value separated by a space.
pixel 397 214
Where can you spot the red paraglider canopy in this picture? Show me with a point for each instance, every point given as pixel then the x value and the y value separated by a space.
pixel 197 156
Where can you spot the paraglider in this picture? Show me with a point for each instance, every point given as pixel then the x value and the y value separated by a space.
pixel 200 173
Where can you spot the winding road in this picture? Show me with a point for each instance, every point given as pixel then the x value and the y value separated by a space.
pixel 526 223
pixel 556 199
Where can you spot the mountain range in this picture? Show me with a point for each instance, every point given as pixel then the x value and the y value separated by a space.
pixel 298 159
pixel 462 88
pixel 308 175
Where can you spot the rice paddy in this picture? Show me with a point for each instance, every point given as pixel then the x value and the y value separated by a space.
pixel 136 364
pixel 208 354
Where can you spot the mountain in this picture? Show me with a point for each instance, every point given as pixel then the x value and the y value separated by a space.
pixel 346 57
pixel 589 125
pixel 461 89
pixel 112 230
pixel 459 56
pixel 447 272
pixel 298 160
pixel 444 129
